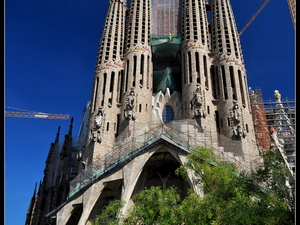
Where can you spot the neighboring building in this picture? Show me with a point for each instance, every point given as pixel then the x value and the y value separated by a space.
pixel 274 126
pixel 61 167
pixel 169 77
pixel 281 116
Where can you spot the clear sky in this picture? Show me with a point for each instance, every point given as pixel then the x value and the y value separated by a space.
pixel 50 55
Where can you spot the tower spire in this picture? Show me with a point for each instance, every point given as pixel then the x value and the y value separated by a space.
pixel 31 207
pixel 57 135
pixel 138 115
pixel 34 192
pixel 71 127
pixel 108 81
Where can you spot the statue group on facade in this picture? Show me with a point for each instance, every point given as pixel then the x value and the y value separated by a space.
pixel 96 129
pixel 129 112
pixel 197 103
pixel 238 131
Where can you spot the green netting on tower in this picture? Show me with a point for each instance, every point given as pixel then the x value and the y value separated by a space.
pixel 166 62
pixel 165 44
pixel 166 78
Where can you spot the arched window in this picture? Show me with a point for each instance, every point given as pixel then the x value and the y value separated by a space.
pixel 168 114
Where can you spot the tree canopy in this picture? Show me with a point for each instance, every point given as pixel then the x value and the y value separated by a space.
pixel 259 197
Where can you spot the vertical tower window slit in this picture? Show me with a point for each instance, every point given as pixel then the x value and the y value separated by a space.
pixel 241 86
pixel 142 70
pixel 103 90
pixel 184 66
pixel 198 67
pixel 232 80
pixel 96 93
pixel 224 83
pixel 112 80
pixel 134 70
pixel 217 81
pixel 205 71
pixel 217 120
pixel 104 83
pixel 127 75
pixel 190 68
pixel 121 85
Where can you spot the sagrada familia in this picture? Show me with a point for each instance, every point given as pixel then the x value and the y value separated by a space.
pixel 169 77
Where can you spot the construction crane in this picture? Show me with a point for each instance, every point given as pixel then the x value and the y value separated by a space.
pixel 254 16
pixel 292 8
pixel 32 114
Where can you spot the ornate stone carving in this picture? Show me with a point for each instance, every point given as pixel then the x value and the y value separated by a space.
pixel 95 130
pixel 197 103
pixel 239 132
pixel 129 113
pixel 99 119
pixel 236 113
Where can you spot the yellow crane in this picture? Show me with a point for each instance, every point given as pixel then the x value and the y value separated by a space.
pixel 292 8
pixel 32 114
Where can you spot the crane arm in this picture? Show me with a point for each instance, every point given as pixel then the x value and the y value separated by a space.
pixel 37 115
pixel 32 114
pixel 254 16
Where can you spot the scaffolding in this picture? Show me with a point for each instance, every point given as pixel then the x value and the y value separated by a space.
pixel 259 118
pixel 281 117
pixel 183 134
pixel 166 17
pixel 165 40
pixel 274 126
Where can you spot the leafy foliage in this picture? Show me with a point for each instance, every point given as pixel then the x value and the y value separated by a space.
pixel 110 214
pixel 230 197
pixel 154 206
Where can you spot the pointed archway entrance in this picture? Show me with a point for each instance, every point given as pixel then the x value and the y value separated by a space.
pixel 160 171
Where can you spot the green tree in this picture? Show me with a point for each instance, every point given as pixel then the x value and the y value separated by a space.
pixel 231 197
pixel 260 197
pixel 110 214
pixel 154 206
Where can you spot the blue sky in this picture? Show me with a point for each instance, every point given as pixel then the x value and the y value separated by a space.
pixel 50 55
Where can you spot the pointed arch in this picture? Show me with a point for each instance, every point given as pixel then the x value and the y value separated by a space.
pixel 159 170
pixel 75 214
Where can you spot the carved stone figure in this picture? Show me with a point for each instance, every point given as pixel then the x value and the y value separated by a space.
pixel 96 136
pixel 277 95
pixel 93 135
pixel 239 132
pixel 130 99
pixel 98 119
pixel 129 113
pixel 95 130
pixel 164 181
pixel 197 103
pixel 236 112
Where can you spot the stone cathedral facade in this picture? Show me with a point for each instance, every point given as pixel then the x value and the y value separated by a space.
pixel 169 77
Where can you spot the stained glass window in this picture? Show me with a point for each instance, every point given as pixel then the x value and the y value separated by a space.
pixel 168 114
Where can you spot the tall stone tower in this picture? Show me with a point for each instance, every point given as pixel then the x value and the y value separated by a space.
pixel 176 58
pixel 169 77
